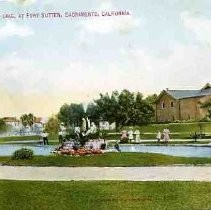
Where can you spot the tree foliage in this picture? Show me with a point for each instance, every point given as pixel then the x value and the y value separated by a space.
pixel 92 112
pixel 52 125
pixel 125 108
pixel 207 105
pixel 3 125
pixel 151 99
pixel 27 119
pixel 71 115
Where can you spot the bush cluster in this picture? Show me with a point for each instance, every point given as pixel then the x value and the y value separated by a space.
pixel 22 153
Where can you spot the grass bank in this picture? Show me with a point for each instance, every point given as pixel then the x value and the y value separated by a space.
pixel 176 127
pixel 52 139
pixel 155 143
pixel 18 138
pixel 107 160
pixel 104 195
pixel 178 130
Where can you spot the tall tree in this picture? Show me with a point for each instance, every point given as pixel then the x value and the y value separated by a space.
pixel 3 126
pixel 27 119
pixel 126 108
pixel 108 106
pixel 52 125
pixel 207 105
pixel 92 112
pixel 30 120
pixel 143 111
pixel 151 99
pixel 24 120
pixel 72 114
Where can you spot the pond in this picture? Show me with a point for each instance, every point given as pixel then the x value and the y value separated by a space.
pixel 178 150
pixel 8 149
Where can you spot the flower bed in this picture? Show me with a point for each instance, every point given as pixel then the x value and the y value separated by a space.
pixel 78 152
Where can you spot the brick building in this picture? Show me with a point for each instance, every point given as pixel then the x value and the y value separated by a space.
pixel 173 105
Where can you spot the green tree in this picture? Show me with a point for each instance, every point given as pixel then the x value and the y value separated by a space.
pixel 71 115
pixel 207 105
pixel 24 120
pixel 108 106
pixel 52 125
pixel 27 119
pixel 151 99
pixel 92 112
pixel 30 119
pixel 3 126
pixel 143 112
pixel 126 108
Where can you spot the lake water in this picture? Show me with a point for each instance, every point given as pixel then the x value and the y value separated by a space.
pixel 8 149
pixel 183 151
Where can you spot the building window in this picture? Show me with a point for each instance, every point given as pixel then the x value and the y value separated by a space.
pixel 172 104
pixel 163 105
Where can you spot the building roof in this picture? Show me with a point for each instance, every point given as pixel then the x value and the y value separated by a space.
pixel 38 120
pixel 10 119
pixel 181 94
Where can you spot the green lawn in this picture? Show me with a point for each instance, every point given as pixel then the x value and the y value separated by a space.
pixel 189 142
pixel 52 139
pixel 176 127
pixel 105 195
pixel 18 138
pixel 109 159
pixel 178 130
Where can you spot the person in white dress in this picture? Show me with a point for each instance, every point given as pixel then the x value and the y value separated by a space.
pixel 166 133
pixel 137 136
pixel 158 137
pixel 130 135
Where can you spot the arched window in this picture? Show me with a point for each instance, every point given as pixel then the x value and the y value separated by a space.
pixel 172 104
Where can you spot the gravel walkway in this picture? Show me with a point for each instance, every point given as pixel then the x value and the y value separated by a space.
pixel 171 173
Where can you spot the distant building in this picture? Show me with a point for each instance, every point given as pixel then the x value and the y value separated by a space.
pixel 173 105
pixel 16 127
pixel 38 125
pixel 12 121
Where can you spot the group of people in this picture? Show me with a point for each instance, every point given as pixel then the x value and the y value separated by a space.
pixel 165 135
pixel 134 136
pixel 130 135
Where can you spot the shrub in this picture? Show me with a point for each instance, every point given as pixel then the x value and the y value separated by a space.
pixel 22 153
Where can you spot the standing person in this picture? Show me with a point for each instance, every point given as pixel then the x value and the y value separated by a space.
pixel 166 133
pixel 45 138
pixel 124 137
pixel 130 135
pixel 60 137
pixel 137 136
pixel 158 137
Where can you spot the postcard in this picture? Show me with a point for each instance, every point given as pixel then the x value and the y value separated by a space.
pixel 105 104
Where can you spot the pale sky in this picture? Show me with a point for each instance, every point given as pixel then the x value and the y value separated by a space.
pixel 45 63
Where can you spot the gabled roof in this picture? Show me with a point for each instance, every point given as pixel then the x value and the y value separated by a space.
pixel 181 94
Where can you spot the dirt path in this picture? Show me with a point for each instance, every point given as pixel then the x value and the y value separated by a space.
pixel 170 173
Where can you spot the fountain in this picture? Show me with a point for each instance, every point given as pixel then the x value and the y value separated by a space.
pixel 84 143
